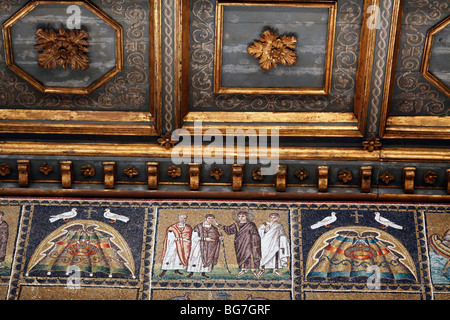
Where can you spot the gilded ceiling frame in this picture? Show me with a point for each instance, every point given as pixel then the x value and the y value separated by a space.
pixel 318 124
pixel 218 88
pixel 88 122
pixel 412 127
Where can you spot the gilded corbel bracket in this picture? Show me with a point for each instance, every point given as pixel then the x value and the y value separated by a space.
pixel 23 167
pixel 447 178
pixel 109 170
pixel 365 174
pixel 66 173
pixel 281 179
pixel 322 178
pixel 152 175
pixel 409 175
pixel 194 176
pixel 237 176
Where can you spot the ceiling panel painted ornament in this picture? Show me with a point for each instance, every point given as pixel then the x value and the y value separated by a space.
pixel 227 88
pixel 436 52
pixel 414 106
pixel 63 46
pixel 112 97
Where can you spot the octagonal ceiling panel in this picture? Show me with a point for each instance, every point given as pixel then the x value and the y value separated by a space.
pixel 104 45
pixel 435 67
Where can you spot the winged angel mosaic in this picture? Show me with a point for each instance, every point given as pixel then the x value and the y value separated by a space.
pixel 92 246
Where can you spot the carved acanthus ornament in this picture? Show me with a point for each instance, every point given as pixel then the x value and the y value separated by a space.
pixel 45 168
pixel 62 48
pixel 5 169
pixel 217 173
pixel 174 171
pixel 302 174
pixel 345 176
pixel 372 144
pixel 387 177
pixel 166 141
pixel 88 171
pixel 430 177
pixel 271 49
pixel 131 172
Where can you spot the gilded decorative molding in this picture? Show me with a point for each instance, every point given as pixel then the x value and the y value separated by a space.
pixel 256 175
pixel 62 48
pixel 322 178
pixel 217 173
pixel 88 171
pixel 5 169
pixel 109 170
pixel 131 172
pixel 345 176
pixel 237 176
pixel 430 177
pixel 408 179
pixel 194 176
pixel 272 49
pixel 166 141
pixel 281 178
pixel 45 168
pixel 366 178
pixel 372 144
pixel 174 171
pixel 387 177
pixel 66 168
pixel 24 167
pixel 302 174
pixel 152 175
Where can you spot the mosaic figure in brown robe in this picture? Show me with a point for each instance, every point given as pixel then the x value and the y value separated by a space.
pixel 205 248
pixel 247 242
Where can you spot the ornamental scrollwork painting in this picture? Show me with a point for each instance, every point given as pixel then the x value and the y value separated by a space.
pixel 202 98
pixel 414 94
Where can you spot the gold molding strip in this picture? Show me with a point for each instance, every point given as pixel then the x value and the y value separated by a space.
pixel 24 167
pixel 152 175
pixel 271 117
pixel 66 168
pixel 322 178
pixel 152 194
pixel 72 115
pixel 19 148
pixel 408 177
pixel 109 169
pixel 365 65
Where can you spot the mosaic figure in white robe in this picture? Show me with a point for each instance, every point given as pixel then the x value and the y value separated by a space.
pixel 275 247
